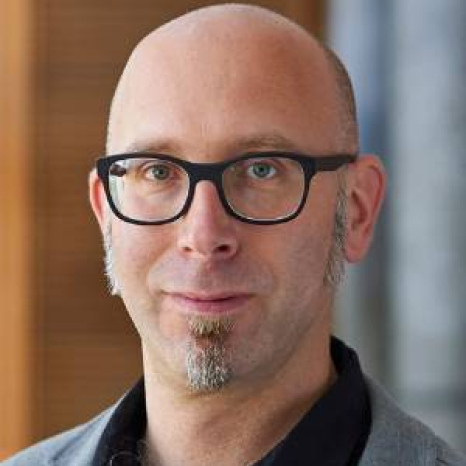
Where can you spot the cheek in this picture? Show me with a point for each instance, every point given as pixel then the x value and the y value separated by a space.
pixel 301 253
pixel 136 248
pixel 303 266
pixel 301 291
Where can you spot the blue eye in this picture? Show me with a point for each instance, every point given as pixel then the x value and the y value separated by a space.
pixel 158 172
pixel 261 170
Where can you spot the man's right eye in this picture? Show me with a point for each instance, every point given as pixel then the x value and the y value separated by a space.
pixel 157 172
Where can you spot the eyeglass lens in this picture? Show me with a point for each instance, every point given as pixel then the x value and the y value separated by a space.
pixel 262 188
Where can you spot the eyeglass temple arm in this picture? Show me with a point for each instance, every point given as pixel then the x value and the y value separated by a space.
pixel 323 164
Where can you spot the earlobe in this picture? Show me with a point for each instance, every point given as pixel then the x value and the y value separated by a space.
pixel 97 198
pixel 366 190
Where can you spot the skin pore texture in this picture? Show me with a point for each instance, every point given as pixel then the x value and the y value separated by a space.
pixel 234 318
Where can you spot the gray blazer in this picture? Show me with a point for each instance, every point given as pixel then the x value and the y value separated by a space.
pixel 396 439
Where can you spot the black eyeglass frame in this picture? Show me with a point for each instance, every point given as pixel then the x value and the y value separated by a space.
pixel 213 172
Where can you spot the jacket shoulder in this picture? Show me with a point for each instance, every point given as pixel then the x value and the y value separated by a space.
pixel 72 447
pixel 446 456
pixel 398 438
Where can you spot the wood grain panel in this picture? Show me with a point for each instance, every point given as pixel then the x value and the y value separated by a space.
pixel 310 14
pixel 15 225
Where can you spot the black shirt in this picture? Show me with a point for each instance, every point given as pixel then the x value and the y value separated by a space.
pixel 332 433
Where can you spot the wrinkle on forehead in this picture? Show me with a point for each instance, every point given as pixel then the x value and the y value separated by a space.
pixel 231 40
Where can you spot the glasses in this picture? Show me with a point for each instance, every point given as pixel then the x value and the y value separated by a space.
pixel 260 188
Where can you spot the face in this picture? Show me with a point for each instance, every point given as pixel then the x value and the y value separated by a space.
pixel 216 300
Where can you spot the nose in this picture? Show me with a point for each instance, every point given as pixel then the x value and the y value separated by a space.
pixel 207 231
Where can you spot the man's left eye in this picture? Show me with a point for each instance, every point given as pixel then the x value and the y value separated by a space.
pixel 261 170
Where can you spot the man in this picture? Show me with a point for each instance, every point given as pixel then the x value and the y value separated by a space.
pixel 231 195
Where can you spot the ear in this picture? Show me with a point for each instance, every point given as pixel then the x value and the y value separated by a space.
pixel 97 198
pixel 366 190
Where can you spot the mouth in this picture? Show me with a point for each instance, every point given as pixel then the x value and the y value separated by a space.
pixel 210 304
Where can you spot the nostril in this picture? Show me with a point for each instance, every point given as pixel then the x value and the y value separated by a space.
pixel 223 248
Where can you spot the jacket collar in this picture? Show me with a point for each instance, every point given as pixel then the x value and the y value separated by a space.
pixel 396 437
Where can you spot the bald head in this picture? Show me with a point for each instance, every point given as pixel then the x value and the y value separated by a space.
pixel 226 47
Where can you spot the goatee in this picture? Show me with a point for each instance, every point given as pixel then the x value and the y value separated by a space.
pixel 207 361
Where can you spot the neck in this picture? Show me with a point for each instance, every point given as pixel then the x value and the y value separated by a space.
pixel 240 423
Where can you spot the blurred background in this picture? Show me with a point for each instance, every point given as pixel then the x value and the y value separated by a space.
pixel 67 349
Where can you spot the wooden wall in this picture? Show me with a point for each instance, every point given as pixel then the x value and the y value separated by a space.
pixel 15 225
pixel 67 349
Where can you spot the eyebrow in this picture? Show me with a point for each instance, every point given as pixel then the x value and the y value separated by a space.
pixel 159 146
pixel 272 140
pixel 244 144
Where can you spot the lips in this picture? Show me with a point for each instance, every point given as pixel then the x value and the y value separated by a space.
pixel 218 303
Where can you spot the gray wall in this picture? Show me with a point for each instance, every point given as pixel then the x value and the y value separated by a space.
pixel 404 308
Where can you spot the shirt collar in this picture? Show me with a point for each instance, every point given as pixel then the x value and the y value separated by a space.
pixel 332 433
pixel 121 440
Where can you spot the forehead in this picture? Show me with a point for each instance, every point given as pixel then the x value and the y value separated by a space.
pixel 215 87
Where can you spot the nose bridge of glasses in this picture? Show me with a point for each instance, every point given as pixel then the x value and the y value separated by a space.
pixel 210 172
pixel 206 172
